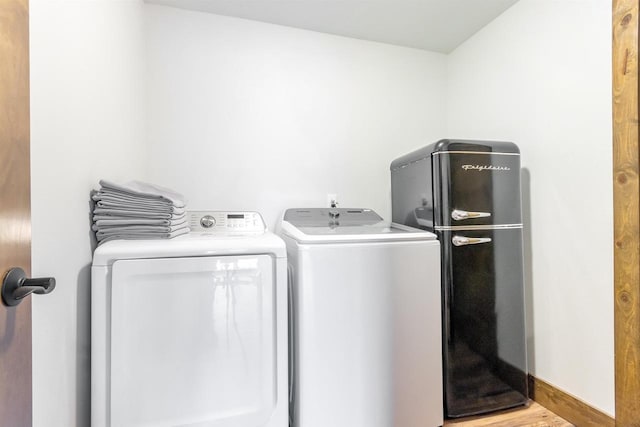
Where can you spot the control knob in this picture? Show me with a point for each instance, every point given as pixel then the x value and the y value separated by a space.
pixel 207 221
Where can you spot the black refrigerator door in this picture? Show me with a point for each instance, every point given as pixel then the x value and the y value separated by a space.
pixel 476 188
pixel 483 321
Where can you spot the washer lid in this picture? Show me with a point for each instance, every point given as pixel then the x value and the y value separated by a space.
pixel 190 245
pixel 330 225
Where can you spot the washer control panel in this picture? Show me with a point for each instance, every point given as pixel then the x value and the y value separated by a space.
pixel 226 222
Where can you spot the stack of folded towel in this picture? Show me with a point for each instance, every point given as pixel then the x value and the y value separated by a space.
pixel 138 210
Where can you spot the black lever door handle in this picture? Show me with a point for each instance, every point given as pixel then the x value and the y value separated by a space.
pixel 16 286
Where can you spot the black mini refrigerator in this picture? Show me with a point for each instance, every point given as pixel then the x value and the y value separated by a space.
pixel 468 194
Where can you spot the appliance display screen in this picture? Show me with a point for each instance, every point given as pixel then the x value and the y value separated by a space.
pixel 235 216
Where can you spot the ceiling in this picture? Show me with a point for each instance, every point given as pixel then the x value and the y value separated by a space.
pixel 435 25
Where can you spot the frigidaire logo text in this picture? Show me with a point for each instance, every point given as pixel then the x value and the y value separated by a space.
pixel 485 168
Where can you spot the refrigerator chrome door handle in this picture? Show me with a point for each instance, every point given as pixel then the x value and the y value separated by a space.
pixel 464 241
pixel 459 215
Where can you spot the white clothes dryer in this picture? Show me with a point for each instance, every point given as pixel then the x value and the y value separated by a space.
pixel 366 321
pixel 191 331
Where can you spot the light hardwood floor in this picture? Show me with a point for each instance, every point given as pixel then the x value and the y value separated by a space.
pixel 533 416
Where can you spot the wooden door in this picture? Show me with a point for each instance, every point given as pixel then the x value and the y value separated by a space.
pixel 15 210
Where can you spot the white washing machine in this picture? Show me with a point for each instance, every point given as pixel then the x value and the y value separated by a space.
pixel 191 331
pixel 366 321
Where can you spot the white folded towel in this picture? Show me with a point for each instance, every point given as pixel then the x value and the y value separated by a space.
pixel 140 229
pixel 137 210
pixel 139 206
pixel 173 217
pixel 106 224
pixel 146 204
pixel 140 235
pixel 144 190
pixel 139 213
pixel 106 194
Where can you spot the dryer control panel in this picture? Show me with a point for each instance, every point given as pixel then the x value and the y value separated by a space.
pixel 226 222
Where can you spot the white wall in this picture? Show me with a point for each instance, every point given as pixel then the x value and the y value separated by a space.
pixel 87 122
pixel 302 114
pixel 539 75
pixel 247 115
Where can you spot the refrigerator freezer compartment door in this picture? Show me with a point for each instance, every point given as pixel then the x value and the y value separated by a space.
pixel 476 189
